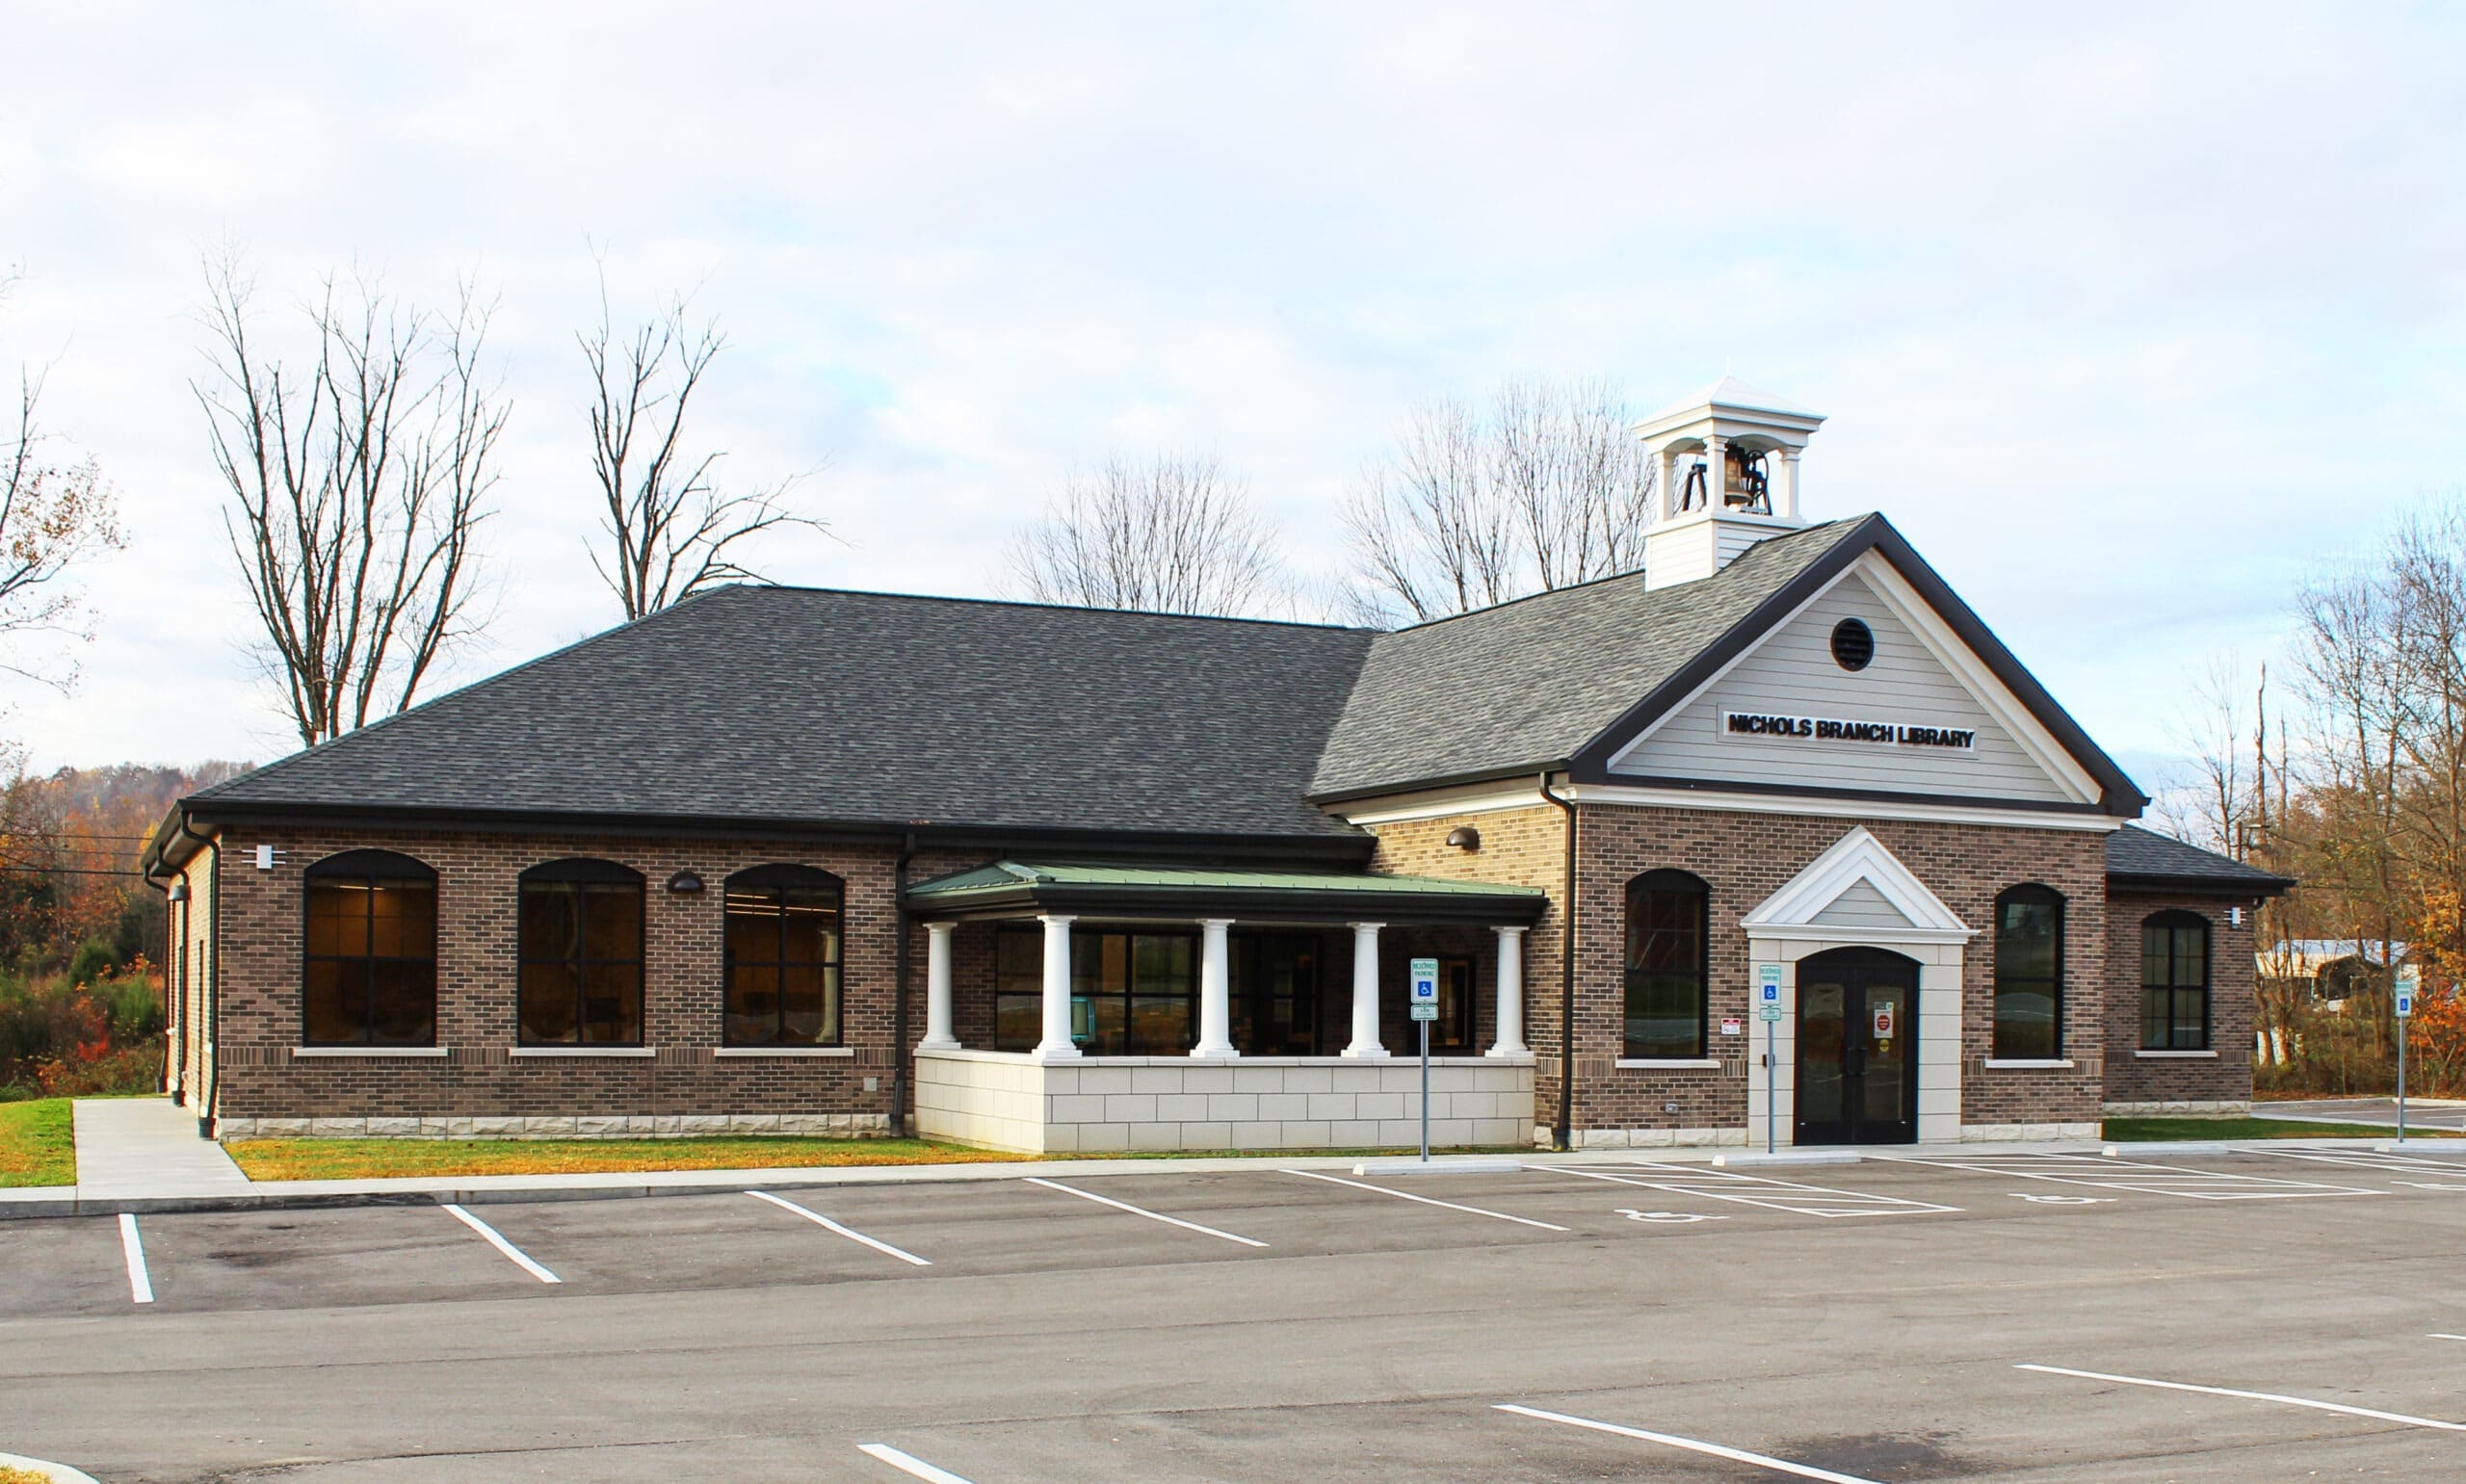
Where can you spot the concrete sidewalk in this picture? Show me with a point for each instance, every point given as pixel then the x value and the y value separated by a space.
pixel 147 1148
pixel 484 1189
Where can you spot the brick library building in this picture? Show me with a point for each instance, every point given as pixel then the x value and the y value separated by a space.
pixel 1775 824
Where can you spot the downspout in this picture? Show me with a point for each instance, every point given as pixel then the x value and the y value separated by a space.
pixel 899 1003
pixel 1563 1136
pixel 170 993
pixel 206 1116
pixel 187 978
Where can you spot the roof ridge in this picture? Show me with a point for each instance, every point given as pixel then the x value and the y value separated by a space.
pixel 1035 604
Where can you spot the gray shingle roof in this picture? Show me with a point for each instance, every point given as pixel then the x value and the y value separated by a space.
pixel 799 705
pixel 1527 684
pixel 2144 856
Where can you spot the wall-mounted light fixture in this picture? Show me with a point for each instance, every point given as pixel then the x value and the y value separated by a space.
pixel 685 883
pixel 179 892
pixel 1464 837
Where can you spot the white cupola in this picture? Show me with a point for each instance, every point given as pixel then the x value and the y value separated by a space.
pixel 1725 471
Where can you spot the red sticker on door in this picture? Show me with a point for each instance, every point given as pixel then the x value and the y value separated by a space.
pixel 1883 1019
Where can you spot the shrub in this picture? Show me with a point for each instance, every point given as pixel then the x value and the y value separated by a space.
pixel 93 960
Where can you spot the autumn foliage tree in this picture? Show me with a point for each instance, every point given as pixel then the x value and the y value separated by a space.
pixel 55 515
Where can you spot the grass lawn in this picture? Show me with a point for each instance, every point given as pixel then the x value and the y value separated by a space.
pixel 36 1145
pixel 2124 1131
pixel 346 1159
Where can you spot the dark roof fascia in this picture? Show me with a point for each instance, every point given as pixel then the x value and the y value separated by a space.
pixel 2118 797
pixel 1183 903
pixel 2257 884
pixel 1858 795
pixel 1525 772
pixel 1335 847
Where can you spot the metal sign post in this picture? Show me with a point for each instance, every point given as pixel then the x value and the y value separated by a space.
pixel 1425 1010
pixel 2410 981
pixel 1768 1009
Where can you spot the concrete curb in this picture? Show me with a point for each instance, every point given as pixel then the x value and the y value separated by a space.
pixel 60 1474
pixel 1787 1156
pixel 498 1189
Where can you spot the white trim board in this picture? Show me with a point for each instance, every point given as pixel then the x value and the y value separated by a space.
pixel 2019 816
pixel 1793 911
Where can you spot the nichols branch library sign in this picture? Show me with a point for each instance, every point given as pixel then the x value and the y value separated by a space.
pixel 1892 734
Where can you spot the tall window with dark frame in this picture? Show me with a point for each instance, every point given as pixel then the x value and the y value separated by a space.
pixel 580 954
pixel 369 971
pixel 1668 964
pixel 1132 994
pixel 2029 974
pixel 783 957
pixel 2174 982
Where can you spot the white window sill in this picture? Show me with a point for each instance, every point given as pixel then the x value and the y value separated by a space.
pixel 1670 1063
pixel 370 1051
pixel 2177 1055
pixel 785 1051
pixel 2028 1064
pixel 586 1051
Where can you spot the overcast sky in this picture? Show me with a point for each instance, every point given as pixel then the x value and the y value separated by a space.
pixel 2127 316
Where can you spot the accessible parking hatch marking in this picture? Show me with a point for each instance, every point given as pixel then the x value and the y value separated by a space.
pixel 521 1259
pixel 1406 1195
pixel 2097 1172
pixel 2224 1391
pixel 852 1234
pixel 908 1462
pixel 1789 1195
pixel 141 1287
pixel 1691 1444
pixel 1141 1210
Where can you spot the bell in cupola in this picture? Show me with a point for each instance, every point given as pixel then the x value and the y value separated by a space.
pixel 1744 483
pixel 1725 476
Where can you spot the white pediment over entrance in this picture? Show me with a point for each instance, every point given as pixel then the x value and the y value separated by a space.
pixel 1857 891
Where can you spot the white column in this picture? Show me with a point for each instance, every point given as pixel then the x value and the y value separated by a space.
pixel 1510 1037
pixel 1665 477
pixel 1785 498
pixel 938 1036
pixel 1057 1045
pixel 1365 991
pixel 1214 990
pixel 1716 474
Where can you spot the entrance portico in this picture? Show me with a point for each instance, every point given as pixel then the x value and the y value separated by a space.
pixel 1138 1047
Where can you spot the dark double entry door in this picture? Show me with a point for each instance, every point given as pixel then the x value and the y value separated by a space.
pixel 1858 1048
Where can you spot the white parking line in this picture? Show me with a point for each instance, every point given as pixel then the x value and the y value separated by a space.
pixel 853 1236
pixel 1762 1190
pixel 2221 1391
pixel 141 1287
pixel 1406 1195
pixel 521 1258
pixel 1691 1444
pixel 908 1462
pixel 2445 1337
pixel 2097 1172
pixel 1140 1210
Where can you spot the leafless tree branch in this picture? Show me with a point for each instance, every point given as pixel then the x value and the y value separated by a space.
pixel 1173 534
pixel 54 518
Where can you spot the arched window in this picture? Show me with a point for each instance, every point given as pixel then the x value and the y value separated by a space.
pixel 580 954
pixel 2029 974
pixel 2174 982
pixel 783 957
pixel 369 969
pixel 1668 944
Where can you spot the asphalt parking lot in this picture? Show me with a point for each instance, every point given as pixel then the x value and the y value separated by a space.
pixel 2036 1316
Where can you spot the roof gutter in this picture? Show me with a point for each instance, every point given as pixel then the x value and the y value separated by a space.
pixel 1563 1132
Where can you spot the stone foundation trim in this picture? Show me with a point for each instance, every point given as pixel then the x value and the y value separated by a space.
pixel 1656 1138
pixel 1669 1063
pixel 2028 1064
pixel 370 1051
pixel 785 1051
pixel 584 1051
pixel 2025 1133
pixel 612 1125
pixel 1098 1105
pixel 2223 1106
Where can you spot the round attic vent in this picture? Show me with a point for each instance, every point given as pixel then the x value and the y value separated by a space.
pixel 1853 644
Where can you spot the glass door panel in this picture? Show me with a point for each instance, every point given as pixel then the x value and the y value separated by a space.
pixel 1822 1090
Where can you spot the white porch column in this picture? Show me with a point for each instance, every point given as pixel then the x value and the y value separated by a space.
pixel 1057 1045
pixel 938 1036
pixel 1214 990
pixel 1510 1037
pixel 1365 991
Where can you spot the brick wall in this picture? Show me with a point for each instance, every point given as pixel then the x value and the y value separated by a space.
pixel 477 898
pixel 2222 1082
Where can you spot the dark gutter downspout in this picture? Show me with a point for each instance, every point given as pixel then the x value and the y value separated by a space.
pixel 171 1037
pixel 207 1114
pixel 898 1006
pixel 1562 1135
pixel 214 977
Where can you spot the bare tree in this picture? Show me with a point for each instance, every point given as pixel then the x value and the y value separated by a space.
pixel 357 485
pixel 670 531
pixel 1541 486
pixel 1173 534
pixel 54 517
